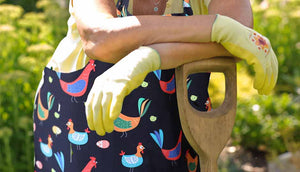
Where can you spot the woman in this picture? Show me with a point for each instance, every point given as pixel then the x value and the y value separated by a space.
pixel 131 106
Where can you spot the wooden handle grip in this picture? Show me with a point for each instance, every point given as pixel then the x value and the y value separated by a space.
pixel 207 132
pixel 225 65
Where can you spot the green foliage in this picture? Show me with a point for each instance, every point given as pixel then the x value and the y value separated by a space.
pixel 30 31
pixel 28 5
pixel 27 40
pixel 261 122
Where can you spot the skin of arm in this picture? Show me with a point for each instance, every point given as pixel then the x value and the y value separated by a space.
pixel 104 38
pixel 108 38
pixel 176 54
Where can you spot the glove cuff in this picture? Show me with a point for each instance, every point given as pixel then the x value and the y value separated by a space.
pixel 220 32
pixel 223 29
pixel 214 30
pixel 150 56
pixel 142 60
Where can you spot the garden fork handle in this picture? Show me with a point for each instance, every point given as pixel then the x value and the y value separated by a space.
pixel 208 132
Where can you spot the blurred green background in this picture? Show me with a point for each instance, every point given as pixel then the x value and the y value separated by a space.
pixel 30 30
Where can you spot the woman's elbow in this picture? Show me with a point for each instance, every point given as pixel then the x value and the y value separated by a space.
pixel 88 43
pixel 105 41
pixel 95 43
pixel 98 51
pixel 89 48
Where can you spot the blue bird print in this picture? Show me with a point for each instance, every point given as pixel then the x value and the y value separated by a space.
pixel 75 137
pixel 135 160
pixel 166 86
pixel 59 156
pixel 46 148
pixel 170 154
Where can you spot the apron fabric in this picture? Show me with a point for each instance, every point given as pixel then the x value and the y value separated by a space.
pixel 147 136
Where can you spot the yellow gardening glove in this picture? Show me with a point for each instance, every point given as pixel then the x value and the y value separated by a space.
pixel 251 46
pixel 105 100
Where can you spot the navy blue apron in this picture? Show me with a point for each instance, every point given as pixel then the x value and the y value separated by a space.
pixel 147 136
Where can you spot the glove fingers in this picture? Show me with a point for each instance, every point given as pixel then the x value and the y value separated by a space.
pixel 267 85
pixel 106 105
pixel 274 70
pixel 260 76
pixel 89 112
pixel 109 125
pixel 116 107
pixel 98 121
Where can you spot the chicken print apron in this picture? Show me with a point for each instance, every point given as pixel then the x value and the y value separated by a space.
pixel 147 135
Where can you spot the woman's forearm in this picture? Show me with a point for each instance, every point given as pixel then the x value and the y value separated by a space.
pixel 108 38
pixel 175 54
pixel 123 35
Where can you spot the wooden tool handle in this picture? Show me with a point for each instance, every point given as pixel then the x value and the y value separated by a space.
pixel 225 65
pixel 208 132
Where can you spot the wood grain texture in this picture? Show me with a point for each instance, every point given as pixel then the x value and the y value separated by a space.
pixel 208 132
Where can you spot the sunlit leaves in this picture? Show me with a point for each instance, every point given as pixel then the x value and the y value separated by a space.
pixel 27 40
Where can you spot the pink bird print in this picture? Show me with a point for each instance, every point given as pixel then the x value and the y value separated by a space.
pixel 90 165
pixel 78 87
pixel 170 154
pixel 166 86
